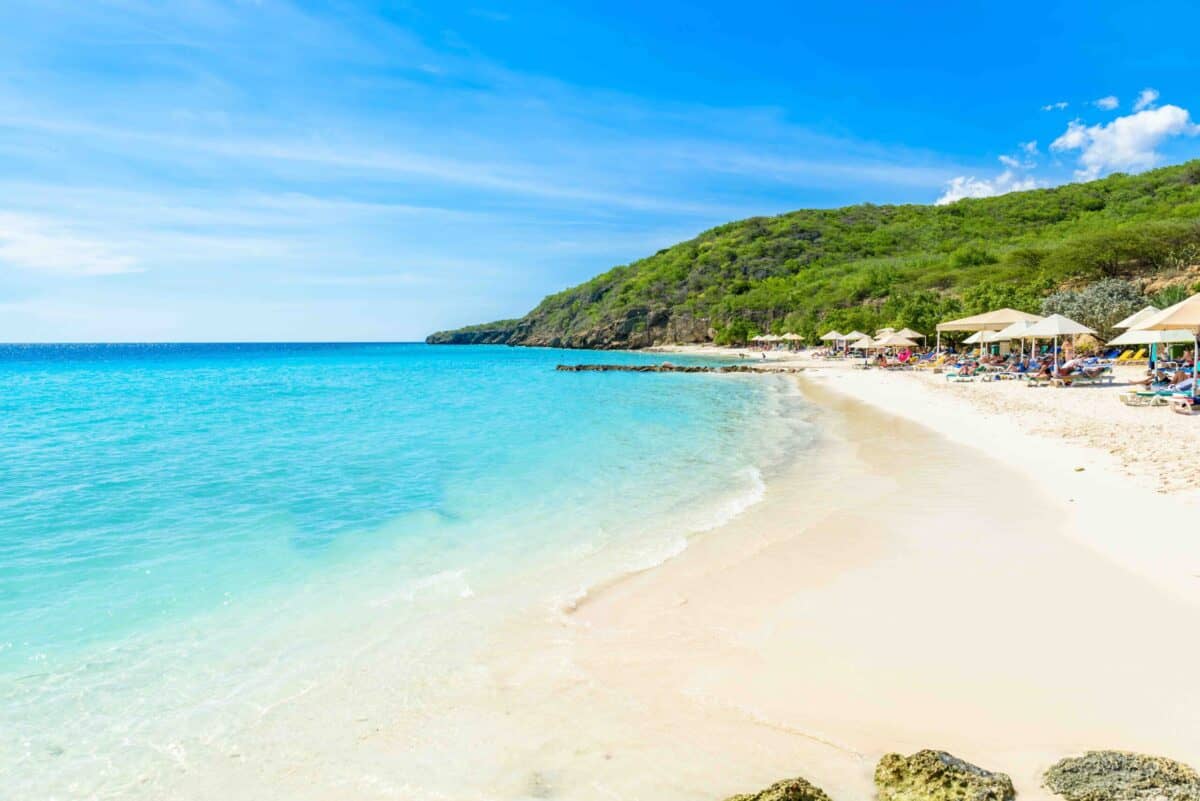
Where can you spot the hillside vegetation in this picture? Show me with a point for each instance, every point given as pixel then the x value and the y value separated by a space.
pixel 868 266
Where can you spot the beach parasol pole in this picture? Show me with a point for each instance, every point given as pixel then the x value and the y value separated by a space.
pixel 1195 362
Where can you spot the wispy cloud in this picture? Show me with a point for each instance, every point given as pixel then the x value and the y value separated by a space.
pixel 1059 106
pixel 1145 99
pixel 51 246
pixel 1107 103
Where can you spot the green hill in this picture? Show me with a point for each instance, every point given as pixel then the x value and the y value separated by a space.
pixel 868 266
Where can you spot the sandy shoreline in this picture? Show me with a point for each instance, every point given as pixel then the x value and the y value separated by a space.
pixel 973 590
pixel 931 574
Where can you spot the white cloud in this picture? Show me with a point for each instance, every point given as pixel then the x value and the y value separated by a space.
pixel 36 243
pixel 1059 106
pixel 1145 99
pixel 1107 103
pixel 1030 147
pixel 965 186
pixel 1126 143
pixel 1010 162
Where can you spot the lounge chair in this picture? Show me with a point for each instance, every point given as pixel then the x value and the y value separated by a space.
pixel 965 375
pixel 1184 404
pixel 1146 398
pixel 1102 375
pixel 934 364
pixel 1039 380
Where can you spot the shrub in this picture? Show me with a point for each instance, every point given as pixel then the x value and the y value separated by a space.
pixel 1098 306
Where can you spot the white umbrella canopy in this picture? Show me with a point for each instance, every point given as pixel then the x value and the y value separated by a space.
pixel 1185 314
pixel 1017 330
pixel 911 334
pixel 1137 317
pixel 895 341
pixel 856 334
pixel 1153 337
pixel 991 321
pixel 757 338
pixel 1057 326
pixel 832 336
pixel 864 343
pixel 981 338
pixel 771 338
pixel 790 337
pixel 883 331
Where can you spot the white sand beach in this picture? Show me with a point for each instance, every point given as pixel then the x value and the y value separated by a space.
pixel 940 573
pixel 1009 575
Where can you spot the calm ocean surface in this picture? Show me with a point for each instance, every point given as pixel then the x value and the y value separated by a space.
pixel 188 533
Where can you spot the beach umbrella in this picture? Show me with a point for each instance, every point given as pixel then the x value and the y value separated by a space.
pixel 1153 337
pixel 1015 331
pixel 1056 326
pixel 1137 317
pixel 855 335
pixel 832 336
pixel 981 338
pixel 882 331
pixel 1183 315
pixel 911 334
pixel 989 321
pixel 894 341
pixel 863 343
pixel 756 338
pixel 793 337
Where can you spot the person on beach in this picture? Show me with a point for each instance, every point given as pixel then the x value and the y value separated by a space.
pixel 1161 379
pixel 1070 366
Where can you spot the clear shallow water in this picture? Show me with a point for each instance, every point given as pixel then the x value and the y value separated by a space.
pixel 192 534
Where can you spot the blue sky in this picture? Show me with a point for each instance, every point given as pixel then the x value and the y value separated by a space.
pixel 271 170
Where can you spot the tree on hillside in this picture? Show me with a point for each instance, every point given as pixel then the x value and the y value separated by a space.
pixel 1099 306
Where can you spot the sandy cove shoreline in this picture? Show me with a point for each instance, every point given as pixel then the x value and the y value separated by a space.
pixel 973 590
pixel 1128 476
pixel 923 577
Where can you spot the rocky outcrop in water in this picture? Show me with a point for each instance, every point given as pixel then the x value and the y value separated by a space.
pixel 938 776
pixel 786 790
pixel 1122 776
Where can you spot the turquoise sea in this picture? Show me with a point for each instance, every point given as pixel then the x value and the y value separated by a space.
pixel 193 534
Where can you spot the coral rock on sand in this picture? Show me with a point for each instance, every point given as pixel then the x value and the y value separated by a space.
pixel 938 776
pixel 1121 776
pixel 786 790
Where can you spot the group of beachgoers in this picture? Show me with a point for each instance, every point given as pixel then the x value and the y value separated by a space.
pixel 1045 366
